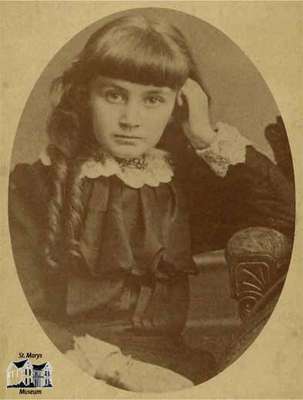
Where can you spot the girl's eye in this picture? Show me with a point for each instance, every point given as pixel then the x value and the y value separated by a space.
pixel 153 101
pixel 114 97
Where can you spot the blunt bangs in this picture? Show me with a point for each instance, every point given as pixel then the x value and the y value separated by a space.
pixel 140 55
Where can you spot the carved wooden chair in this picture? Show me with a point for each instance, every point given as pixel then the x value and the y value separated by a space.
pixel 257 259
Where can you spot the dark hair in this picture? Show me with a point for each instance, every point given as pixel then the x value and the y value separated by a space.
pixel 132 48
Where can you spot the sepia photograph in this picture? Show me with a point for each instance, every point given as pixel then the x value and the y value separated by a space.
pixel 151 201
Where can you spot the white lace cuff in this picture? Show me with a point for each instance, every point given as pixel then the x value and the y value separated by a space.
pixel 228 148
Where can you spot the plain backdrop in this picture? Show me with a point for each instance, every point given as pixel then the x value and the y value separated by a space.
pixel 238 92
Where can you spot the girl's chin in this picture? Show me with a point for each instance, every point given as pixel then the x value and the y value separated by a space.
pixel 129 153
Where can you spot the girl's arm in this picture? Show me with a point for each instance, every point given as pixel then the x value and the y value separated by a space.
pixel 242 187
pixel 256 193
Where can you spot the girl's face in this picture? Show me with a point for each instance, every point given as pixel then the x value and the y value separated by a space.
pixel 129 118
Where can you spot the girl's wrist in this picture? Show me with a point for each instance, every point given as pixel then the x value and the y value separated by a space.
pixel 204 139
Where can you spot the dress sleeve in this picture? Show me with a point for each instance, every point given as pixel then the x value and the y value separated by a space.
pixel 28 193
pixel 253 190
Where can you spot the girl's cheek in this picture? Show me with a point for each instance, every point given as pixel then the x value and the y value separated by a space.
pixel 164 118
pixel 105 112
pixel 161 113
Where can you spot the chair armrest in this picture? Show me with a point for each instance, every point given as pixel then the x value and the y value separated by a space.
pixel 258 259
pixel 210 259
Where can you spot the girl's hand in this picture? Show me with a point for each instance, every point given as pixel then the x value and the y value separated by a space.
pixel 197 126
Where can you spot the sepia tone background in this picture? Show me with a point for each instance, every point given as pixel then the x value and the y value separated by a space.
pixel 269 33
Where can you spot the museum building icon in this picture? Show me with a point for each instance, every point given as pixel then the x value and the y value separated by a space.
pixel 25 374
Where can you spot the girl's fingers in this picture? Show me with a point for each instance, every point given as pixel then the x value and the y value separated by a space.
pixel 190 86
pixel 193 93
pixel 197 121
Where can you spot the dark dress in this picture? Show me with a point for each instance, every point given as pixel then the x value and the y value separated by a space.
pixel 136 296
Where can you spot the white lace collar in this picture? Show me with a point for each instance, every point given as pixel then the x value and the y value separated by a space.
pixel 157 169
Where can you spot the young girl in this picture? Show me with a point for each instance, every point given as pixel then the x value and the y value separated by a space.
pixel 135 181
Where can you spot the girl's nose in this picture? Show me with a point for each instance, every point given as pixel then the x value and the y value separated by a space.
pixel 130 115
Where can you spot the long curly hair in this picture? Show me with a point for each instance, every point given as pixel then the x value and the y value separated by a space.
pixel 132 48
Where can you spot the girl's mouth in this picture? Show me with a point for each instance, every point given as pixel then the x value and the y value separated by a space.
pixel 127 139
pixel 127 136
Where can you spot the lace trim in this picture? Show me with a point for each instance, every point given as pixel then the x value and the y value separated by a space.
pixel 154 169
pixel 95 356
pixel 107 363
pixel 228 148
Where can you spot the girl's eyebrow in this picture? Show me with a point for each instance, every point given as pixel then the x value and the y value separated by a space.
pixel 108 82
pixel 104 83
pixel 162 91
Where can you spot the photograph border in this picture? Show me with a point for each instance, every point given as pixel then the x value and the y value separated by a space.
pixel 276 371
